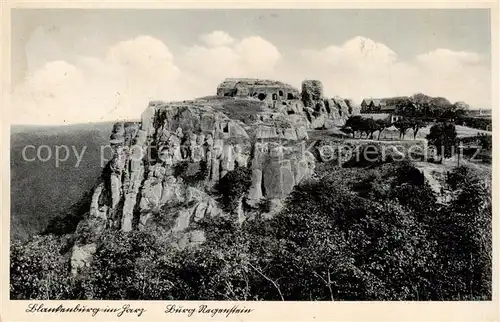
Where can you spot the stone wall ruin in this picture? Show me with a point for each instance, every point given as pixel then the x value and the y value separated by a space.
pixel 272 92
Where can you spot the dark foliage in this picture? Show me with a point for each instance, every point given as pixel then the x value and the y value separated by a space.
pixel 364 125
pixel 475 122
pixel 403 125
pixel 464 233
pixel 39 271
pixel 382 125
pixel 422 106
pixel 477 148
pixel 352 234
pixel 191 172
pixel 443 137
pixel 485 141
pixel 232 186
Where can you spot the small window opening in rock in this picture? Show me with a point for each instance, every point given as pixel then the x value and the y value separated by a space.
pixel 275 97
pixel 262 96
pixel 289 96
pixel 284 103
pixel 226 128
pixel 280 93
pixel 290 112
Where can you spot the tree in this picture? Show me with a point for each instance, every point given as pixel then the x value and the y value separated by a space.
pixel 382 125
pixel 459 110
pixel 463 233
pixel 355 123
pixel 369 126
pixel 416 125
pixel 362 125
pixel 443 137
pixel 485 141
pixel 407 108
pixel 232 186
pixel 341 246
pixel 403 125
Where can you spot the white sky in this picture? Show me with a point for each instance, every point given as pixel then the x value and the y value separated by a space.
pixel 73 66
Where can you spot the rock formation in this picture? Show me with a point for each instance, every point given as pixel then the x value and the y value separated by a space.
pixel 163 168
pixel 312 93
pixel 264 90
pixel 308 107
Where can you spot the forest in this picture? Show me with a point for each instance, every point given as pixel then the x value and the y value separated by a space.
pixel 373 233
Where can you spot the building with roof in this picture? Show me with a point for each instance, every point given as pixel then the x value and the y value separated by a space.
pixel 379 109
pixel 374 105
pixel 483 112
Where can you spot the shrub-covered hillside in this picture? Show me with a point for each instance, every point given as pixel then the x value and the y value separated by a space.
pixel 348 234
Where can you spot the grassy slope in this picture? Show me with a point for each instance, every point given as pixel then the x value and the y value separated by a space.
pixel 40 190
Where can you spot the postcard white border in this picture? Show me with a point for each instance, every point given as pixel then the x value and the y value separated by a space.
pixel 263 311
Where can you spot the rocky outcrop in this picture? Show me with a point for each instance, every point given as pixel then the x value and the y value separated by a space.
pixel 264 90
pixel 325 112
pixel 142 173
pixel 276 169
pixel 342 106
pixel 312 93
pixel 307 108
pixel 141 182
pixel 163 168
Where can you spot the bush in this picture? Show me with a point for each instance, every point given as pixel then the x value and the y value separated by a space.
pixel 365 249
pixel 464 235
pixel 232 186
pixel 191 172
pixel 443 136
pixel 38 270
pixel 363 234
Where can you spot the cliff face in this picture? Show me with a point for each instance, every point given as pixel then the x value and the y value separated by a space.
pixel 163 168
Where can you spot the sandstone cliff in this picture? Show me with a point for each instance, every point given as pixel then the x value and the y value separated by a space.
pixel 164 167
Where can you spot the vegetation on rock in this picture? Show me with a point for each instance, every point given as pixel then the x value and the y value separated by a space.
pixel 232 187
pixel 350 234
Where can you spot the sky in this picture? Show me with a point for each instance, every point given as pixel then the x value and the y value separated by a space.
pixel 79 65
